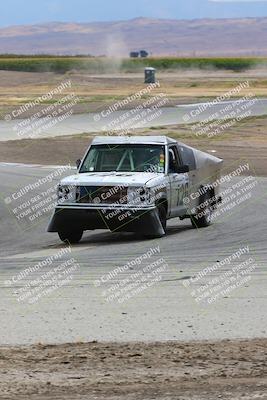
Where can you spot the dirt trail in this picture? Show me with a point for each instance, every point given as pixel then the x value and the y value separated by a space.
pixel 172 370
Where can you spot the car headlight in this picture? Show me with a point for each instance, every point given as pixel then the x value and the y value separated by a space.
pixel 139 196
pixel 66 194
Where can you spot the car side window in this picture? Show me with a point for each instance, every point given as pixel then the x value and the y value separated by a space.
pixel 174 161
pixel 187 156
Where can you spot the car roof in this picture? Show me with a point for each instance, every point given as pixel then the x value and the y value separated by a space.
pixel 133 140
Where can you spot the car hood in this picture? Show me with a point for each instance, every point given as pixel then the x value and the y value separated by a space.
pixel 110 178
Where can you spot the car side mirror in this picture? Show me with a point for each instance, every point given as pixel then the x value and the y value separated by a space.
pixel 78 163
pixel 183 169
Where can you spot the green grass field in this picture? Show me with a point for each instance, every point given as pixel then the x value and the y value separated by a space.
pixel 101 65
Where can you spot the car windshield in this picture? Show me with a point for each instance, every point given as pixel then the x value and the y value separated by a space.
pixel 124 158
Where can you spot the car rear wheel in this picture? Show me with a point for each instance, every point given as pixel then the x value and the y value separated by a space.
pixel 70 237
pixel 204 216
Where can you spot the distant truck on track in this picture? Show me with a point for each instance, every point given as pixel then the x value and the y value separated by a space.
pixel 141 53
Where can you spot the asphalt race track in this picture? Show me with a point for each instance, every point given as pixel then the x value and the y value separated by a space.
pixel 90 123
pixel 165 311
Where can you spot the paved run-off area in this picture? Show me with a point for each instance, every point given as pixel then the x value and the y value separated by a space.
pixel 172 307
pixel 123 122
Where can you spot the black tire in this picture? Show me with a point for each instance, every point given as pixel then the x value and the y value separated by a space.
pixel 162 213
pixel 162 216
pixel 204 216
pixel 70 237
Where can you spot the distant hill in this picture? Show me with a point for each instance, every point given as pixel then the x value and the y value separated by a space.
pixel 203 37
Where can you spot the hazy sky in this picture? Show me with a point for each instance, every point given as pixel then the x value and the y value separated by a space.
pixel 16 12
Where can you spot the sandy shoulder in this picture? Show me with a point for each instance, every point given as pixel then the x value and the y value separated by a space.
pixel 196 370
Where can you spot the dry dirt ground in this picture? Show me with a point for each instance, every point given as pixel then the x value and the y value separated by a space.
pixel 174 370
pixel 95 92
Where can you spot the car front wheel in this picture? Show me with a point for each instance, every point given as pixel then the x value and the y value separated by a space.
pixel 162 216
pixel 70 237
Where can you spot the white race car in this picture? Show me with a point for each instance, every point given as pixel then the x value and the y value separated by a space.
pixel 136 184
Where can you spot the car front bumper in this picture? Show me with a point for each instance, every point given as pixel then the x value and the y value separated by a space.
pixel 128 219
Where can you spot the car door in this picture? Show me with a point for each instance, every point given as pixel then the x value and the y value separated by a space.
pixel 178 183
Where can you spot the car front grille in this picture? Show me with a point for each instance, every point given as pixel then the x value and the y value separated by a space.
pixel 101 194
